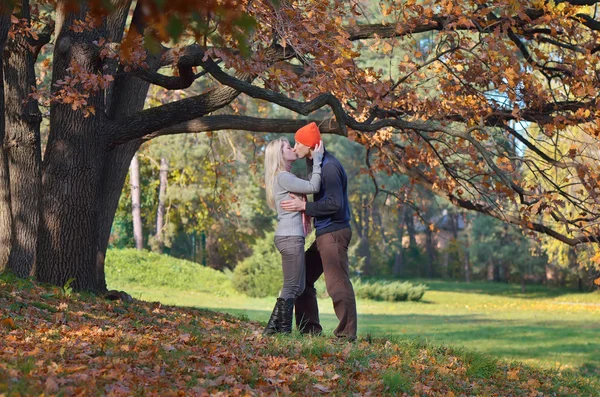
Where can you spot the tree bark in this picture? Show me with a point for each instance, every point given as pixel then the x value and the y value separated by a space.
pixel 136 203
pixel 116 161
pixel 71 169
pixel 491 273
pixel 5 210
pixel 399 259
pixel 23 120
pixel 129 95
pixel 160 215
pixel 430 249
pixel 467 259
pixel 364 248
pixel 467 263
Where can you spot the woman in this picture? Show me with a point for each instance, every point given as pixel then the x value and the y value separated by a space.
pixel 291 227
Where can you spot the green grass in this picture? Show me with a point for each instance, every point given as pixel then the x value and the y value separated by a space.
pixel 141 348
pixel 548 327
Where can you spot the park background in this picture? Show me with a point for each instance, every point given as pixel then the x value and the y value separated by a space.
pixel 448 298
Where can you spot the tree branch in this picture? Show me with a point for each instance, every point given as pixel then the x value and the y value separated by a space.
pixel 184 80
pixel 153 119
pixel 422 180
pixel 244 123
pixel 303 108
pixel 579 2
pixel 370 31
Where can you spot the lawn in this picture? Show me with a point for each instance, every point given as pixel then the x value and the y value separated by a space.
pixel 550 332
pixel 55 342
pixel 547 327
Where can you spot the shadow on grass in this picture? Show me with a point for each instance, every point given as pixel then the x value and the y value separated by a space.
pixel 554 344
pixel 496 289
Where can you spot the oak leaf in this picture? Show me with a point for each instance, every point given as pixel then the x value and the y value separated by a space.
pixel 322 388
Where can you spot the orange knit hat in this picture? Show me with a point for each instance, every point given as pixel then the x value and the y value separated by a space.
pixel 308 135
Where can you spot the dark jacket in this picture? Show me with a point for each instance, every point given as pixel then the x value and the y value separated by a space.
pixel 330 208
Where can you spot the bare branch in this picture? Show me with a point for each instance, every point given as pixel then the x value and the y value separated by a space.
pixel 244 123
pixel 153 119
pixel 303 108
pixel 423 181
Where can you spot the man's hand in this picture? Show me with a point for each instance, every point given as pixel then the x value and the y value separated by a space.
pixel 293 205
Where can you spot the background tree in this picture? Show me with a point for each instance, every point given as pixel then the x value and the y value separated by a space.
pixel 136 202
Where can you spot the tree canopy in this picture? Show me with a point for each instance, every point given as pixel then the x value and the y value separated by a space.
pixel 491 105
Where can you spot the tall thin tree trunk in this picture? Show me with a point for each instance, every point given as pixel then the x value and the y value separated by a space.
pixel 430 249
pixel 491 274
pixel 467 264
pixel 574 266
pixel 136 202
pixel 399 259
pixel 365 249
pixel 412 238
pixel 23 120
pixel 410 228
pixel 467 261
pixel 446 262
pixel 5 210
pixel 160 214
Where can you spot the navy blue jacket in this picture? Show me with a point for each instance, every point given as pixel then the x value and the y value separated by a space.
pixel 330 208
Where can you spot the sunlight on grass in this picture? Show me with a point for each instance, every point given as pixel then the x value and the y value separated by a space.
pixel 542 332
pixel 549 327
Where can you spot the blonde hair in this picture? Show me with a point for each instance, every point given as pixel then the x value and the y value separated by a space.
pixel 274 164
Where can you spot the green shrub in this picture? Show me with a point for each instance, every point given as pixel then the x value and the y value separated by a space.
pixel 260 274
pixel 125 267
pixel 379 290
pixel 392 291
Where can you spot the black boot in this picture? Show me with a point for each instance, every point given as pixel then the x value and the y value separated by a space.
pixel 286 315
pixel 273 326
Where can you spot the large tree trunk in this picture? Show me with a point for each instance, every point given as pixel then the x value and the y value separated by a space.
pixel 136 203
pixel 23 120
pixel 86 159
pixel 70 175
pixel 128 95
pixel 160 214
pixel 5 210
pixel 113 178
pixel 124 97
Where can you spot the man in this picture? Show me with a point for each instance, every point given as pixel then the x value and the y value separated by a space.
pixel 328 255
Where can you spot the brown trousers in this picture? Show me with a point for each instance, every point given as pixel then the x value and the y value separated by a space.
pixel 328 255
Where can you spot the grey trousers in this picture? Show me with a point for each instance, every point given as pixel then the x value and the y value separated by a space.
pixel 292 263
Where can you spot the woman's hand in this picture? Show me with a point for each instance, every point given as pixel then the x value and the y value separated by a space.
pixel 317 153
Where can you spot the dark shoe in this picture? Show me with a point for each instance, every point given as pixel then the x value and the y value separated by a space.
pixel 273 326
pixel 307 328
pixel 311 330
pixel 346 338
pixel 286 315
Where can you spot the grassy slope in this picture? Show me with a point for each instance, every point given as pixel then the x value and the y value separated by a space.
pixel 553 328
pixel 82 345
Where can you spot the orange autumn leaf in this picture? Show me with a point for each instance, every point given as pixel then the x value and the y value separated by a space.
pixel 513 374
pixel 9 323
